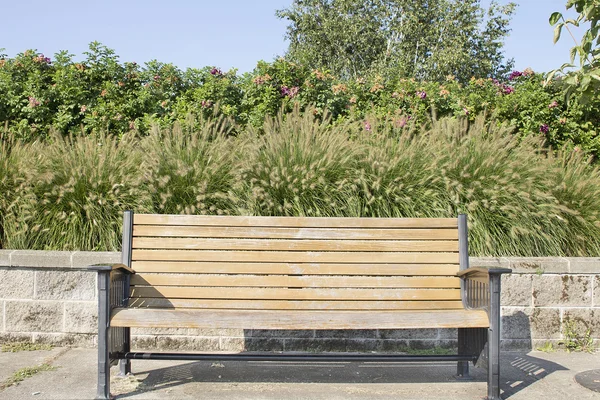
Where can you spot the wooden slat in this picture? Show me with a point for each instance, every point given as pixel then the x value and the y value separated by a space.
pixel 295 245
pixel 293 257
pixel 178 292
pixel 295 304
pixel 299 319
pixel 295 281
pixel 297 269
pixel 294 222
pixel 294 233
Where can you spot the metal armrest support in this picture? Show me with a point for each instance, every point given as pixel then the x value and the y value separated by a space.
pixel 479 284
pixel 111 267
pixel 113 291
pixel 481 290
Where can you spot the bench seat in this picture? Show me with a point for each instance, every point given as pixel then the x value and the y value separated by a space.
pixel 297 319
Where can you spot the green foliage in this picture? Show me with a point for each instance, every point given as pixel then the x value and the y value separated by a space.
pixel 24 373
pixel 69 193
pixel 547 347
pixel 101 95
pixel 211 92
pixel 97 94
pixel 16 347
pixel 425 40
pixel 575 339
pixel 585 81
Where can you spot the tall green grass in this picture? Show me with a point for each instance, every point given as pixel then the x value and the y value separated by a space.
pixel 75 192
pixel 191 171
pixel 522 200
pixel 299 166
pixel 16 158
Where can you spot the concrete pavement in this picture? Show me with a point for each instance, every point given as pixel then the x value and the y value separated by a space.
pixel 533 375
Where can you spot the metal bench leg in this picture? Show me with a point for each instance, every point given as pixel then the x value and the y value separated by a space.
pixel 125 365
pixel 103 336
pixel 494 340
pixel 462 368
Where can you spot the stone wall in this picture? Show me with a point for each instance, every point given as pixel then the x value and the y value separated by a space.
pixel 50 297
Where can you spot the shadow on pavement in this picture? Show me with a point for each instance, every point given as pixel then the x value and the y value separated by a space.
pixel 518 372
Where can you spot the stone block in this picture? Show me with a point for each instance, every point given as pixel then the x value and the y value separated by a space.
pixel 11 337
pixel 41 259
pixel 260 344
pixel 581 320
pixel 562 290
pixel 65 285
pixel 409 333
pixel 451 344
pixel 539 344
pixel 362 345
pixel 162 331
pixel 83 259
pixel 314 345
pixel 597 291
pixel 584 265
pixel 422 344
pixel 516 323
pixel 393 346
pixel 33 316
pixel 232 344
pixel 538 264
pixel 516 345
pixel 282 333
pixel 81 317
pixel 346 333
pixel 516 290
pixel 5 257
pixel 219 332
pixel 449 333
pixel 489 262
pixel 187 343
pixel 66 339
pixel 143 342
pixel 16 283
pixel 545 323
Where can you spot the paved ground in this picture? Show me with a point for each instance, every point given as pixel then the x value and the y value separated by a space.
pixel 531 376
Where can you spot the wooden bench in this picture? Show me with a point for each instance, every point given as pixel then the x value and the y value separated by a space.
pixel 297 273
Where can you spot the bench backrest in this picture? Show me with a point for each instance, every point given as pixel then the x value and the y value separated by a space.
pixel 231 262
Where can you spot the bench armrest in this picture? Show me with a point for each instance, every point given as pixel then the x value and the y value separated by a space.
pixel 479 271
pixel 111 267
pixel 480 288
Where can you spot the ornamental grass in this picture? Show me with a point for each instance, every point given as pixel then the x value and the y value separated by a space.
pixel 522 198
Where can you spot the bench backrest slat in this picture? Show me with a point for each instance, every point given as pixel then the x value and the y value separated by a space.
pixel 294 263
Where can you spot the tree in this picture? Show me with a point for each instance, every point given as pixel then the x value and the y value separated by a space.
pixel 428 39
pixel 586 81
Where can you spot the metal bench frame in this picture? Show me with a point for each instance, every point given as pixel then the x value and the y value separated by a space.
pixel 480 289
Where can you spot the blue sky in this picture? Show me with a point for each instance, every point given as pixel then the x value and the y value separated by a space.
pixel 225 33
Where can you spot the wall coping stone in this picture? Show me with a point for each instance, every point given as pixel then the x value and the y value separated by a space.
pixel 70 260
pixel 79 260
